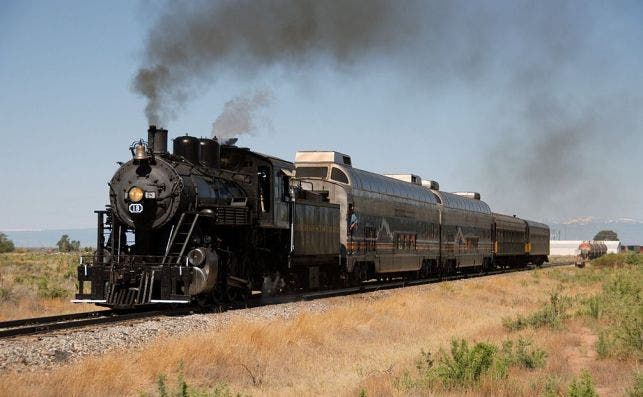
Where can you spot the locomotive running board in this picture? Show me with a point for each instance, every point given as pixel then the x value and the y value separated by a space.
pixel 168 301
pixel 88 301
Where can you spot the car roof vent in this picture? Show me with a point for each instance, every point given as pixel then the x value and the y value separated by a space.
pixel 315 156
pixel 410 178
pixel 471 195
pixel 433 185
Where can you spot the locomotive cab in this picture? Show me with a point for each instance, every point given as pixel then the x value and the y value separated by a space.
pixel 269 194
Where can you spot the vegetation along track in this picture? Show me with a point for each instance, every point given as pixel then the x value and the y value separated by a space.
pixel 38 325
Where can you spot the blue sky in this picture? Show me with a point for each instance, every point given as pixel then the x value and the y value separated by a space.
pixel 67 111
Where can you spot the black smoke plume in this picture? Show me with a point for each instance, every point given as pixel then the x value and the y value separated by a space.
pixel 193 41
pixel 535 61
pixel 239 115
pixel 555 139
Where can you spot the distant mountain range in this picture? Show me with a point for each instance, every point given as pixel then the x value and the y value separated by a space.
pixel 630 232
pixel 589 220
pixel 49 238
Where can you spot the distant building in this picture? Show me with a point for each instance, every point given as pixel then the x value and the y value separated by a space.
pixel 570 247
pixel 613 247
pixel 632 248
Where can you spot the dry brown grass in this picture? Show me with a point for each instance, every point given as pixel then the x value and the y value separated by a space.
pixel 38 283
pixel 361 343
pixel 27 307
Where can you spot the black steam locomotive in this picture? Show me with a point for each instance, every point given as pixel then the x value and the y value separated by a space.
pixel 214 223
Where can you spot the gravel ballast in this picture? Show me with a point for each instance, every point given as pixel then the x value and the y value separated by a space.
pixel 46 351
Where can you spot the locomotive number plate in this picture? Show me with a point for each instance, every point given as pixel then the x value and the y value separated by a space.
pixel 136 208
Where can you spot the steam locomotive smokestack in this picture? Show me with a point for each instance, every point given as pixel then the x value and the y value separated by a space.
pixel 160 141
pixel 151 132
pixel 157 139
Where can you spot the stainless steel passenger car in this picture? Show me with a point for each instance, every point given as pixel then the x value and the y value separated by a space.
pixel 518 242
pixel 465 225
pixel 395 224
pixel 538 245
pixel 510 240
pixel 399 225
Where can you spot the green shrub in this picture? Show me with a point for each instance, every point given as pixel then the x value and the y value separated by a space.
pixel 585 276
pixel 521 354
pixel 160 383
pixel 618 260
pixel 619 309
pixel 463 365
pixel 552 387
pixel 594 307
pixel 602 345
pixel 622 285
pixel 407 382
pixel 515 324
pixel 637 388
pixel 33 274
pixel 584 387
pixel 5 294
pixel 6 245
pixel 45 290
pixel 628 332
pixel 528 357
pixel 183 390
pixel 67 245
pixel 634 258
pixel 552 314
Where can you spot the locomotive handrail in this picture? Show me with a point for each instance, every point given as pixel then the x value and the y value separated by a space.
pixel 129 260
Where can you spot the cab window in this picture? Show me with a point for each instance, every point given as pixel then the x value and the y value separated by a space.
pixel 311 172
pixel 338 175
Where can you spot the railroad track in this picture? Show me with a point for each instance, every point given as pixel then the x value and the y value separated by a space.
pixel 39 325
pixel 380 286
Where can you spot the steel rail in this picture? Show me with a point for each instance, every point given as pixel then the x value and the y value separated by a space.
pixel 49 319
pixel 39 325
pixel 377 286
pixel 370 287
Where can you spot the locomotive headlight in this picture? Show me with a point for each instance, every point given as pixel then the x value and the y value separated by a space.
pixel 136 194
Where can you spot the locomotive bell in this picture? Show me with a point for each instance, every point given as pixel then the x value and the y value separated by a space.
pixel 140 152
